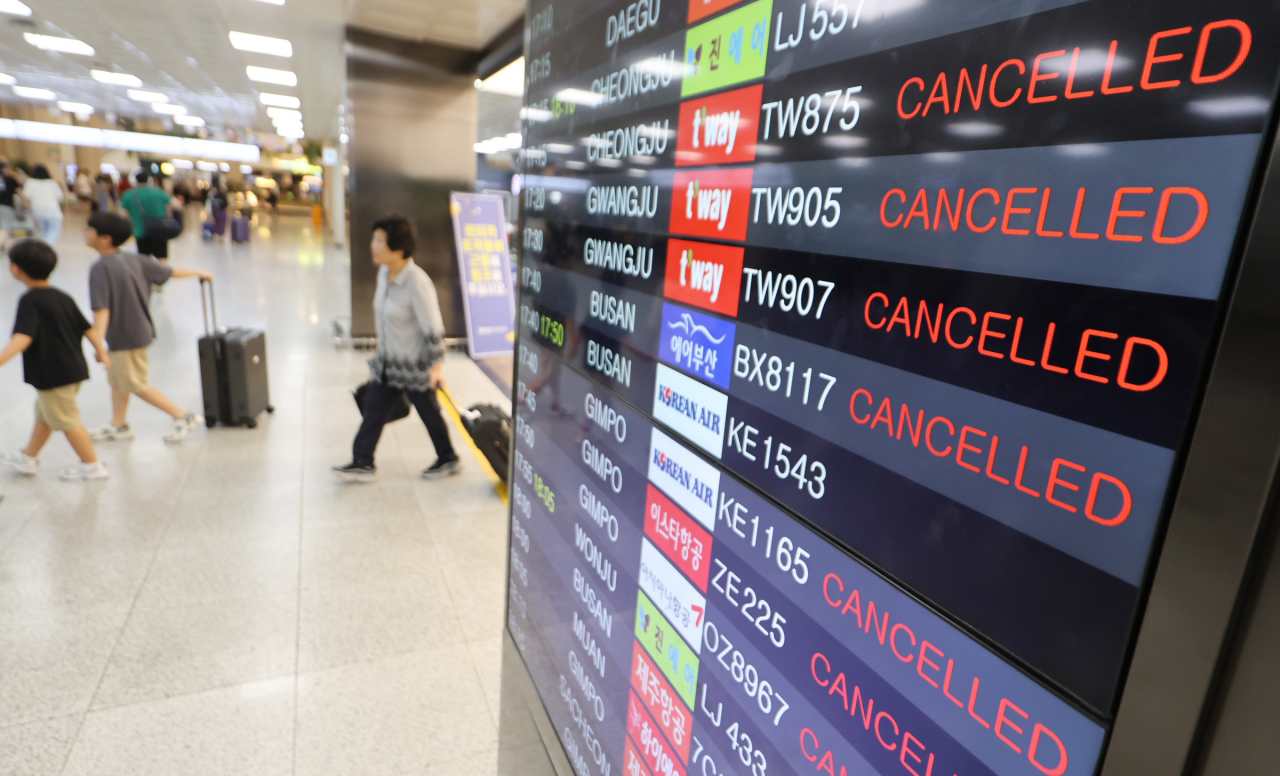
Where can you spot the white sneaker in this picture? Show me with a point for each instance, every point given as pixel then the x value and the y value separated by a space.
pixel 110 433
pixel 183 426
pixel 20 462
pixel 85 471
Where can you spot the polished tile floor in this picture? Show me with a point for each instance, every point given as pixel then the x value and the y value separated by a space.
pixel 225 606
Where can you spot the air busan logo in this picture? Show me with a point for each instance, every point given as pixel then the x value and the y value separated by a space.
pixel 691 408
pixel 720 129
pixel 711 203
pixel 705 275
pixel 690 481
pixel 697 343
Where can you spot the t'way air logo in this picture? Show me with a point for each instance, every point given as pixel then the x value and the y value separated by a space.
pixel 727 50
pixel 711 203
pixel 706 275
pixel 720 129
pixel 701 9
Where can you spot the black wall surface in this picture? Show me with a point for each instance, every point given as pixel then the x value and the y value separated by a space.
pixel 414 122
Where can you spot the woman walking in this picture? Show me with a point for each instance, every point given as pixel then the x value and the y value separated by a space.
pixel 410 357
pixel 218 211
pixel 45 197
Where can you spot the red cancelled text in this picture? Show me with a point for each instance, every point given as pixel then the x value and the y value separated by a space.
pixel 1019 211
pixel 977 450
pixel 1009 722
pixel 1170 57
pixel 1000 335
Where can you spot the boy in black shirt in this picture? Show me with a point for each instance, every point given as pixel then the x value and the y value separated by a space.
pixel 47 333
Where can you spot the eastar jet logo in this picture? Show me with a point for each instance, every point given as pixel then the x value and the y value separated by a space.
pixel 712 204
pixel 719 129
pixel 704 275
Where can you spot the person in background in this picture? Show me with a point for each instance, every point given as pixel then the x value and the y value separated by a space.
pixel 410 355
pixel 47 333
pixel 120 295
pixel 106 197
pixel 83 189
pixel 148 200
pixel 10 189
pixel 217 205
pixel 45 196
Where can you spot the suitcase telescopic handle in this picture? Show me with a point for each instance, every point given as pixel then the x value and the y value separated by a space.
pixel 209 311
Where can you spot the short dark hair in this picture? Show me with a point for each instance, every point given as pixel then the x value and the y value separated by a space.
pixel 114 225
pixel 142 177
pixel 34 257
pixel 401 236
pixel 40 172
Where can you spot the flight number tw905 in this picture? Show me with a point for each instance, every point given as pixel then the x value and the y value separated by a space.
pixel 804 113
pixel 767 371
pixel 797 204
pixel 795 293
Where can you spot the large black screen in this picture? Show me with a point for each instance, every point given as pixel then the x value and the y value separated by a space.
pixel 858 345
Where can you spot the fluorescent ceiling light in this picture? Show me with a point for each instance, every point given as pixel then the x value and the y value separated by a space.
pixel 119 79
pixel 63 45
pixel 18 9
pixel 261 44
pixel 141 96
pixel 292 130
pixel 279 100
pixel 272 2
pixel 78 108
pixel 185 164
pixel 268 76
pixel 34 94
pixel 167 145
pixel 284 113
pixel 224 167
pixel 207 166
pixel 189 121
pixel 171 110
pixel 245 169
pixel 7 80
pixel 280 121
pixel 509 80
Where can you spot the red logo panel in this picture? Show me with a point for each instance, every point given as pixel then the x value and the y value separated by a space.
pixel 720 129
pixel 712 203
pixel 704 275
pixel 679 536
pixel 661 701
pixel 654 749
pixel 632 763
pixel 701 9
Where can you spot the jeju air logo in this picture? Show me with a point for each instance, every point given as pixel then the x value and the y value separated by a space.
pixel 711 203
pixel 704 275
pixel 720 129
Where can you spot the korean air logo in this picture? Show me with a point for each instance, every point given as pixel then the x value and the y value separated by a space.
pixel 694 409
pixel 697 344
pixel 689 481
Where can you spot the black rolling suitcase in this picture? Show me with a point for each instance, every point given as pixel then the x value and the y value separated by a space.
pixel 233 370
pixel 490 428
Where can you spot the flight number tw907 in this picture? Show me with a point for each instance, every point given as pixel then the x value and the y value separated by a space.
pixel 804 113
pixel 795 293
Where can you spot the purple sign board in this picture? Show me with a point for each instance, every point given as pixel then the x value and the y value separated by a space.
pixel 484 261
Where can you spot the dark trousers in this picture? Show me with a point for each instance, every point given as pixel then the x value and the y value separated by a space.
pixel 376 400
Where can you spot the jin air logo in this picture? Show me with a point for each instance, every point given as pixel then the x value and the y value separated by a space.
pixel 727 50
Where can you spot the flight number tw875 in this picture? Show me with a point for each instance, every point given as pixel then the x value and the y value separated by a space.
pixel 804 113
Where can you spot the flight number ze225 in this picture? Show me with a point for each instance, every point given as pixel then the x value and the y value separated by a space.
pixel 750 608
pixel 796 204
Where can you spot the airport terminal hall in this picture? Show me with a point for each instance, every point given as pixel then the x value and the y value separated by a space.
pixel 639 388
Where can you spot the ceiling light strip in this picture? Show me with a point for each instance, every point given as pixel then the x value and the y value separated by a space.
pixel 41 132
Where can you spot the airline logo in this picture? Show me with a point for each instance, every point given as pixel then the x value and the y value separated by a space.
pixel 682 604
pixel 727 50
pixel 675 533
pixel 691 408
pixel 720 129
pixel 712 203
pixel 697 343
pixel 704 275
pixel 701 9
pixel 690 481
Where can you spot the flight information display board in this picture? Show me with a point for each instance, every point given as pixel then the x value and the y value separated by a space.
pixel 858 345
